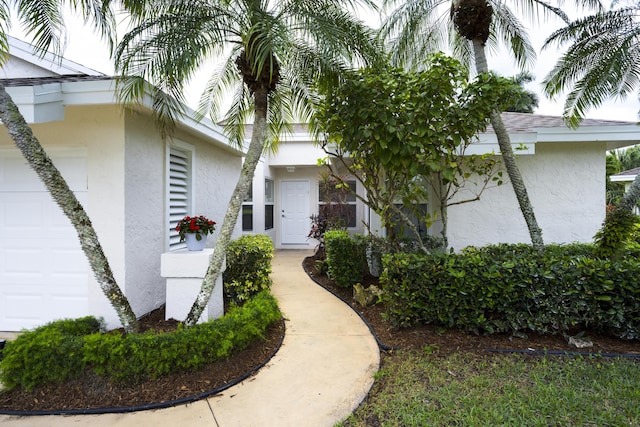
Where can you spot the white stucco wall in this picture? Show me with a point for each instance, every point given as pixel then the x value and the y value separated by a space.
pixel 99 130
pixel 566 184
pixel 215 174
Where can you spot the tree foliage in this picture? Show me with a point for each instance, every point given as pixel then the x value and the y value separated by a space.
pixel 268 54
pixel 601 62
pixel 396 131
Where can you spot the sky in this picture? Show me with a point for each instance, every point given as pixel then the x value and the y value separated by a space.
pixel 85 48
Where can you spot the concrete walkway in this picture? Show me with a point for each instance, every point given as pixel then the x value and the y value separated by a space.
pixel 322 372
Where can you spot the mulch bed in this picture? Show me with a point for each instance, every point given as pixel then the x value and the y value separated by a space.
pixel 90 391
pixel 449 341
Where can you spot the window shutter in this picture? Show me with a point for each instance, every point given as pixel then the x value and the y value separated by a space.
pixel 179 193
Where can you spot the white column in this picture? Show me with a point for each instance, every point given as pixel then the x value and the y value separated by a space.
pixel 184 271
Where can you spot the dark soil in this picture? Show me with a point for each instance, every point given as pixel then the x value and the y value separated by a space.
pixel 94 392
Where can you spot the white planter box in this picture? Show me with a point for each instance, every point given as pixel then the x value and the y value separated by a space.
pixel 184 271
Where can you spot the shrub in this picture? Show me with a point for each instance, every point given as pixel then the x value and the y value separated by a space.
pixel 133 358
pixel 618 229
pixel 248 267
pixel 346 258
pixel 50 353
pixel 506 288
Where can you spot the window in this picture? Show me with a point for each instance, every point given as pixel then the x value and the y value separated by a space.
pixel 179 190
pixel 268 204
pixel 247 211
pixel 402 231
pixel 338 203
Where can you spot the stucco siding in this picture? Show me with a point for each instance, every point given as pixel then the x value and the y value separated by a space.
pixel 145 230
pixel 565 182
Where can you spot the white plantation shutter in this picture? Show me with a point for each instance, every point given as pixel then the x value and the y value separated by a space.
pixel 179 192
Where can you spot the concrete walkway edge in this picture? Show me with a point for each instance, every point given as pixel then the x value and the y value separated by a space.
pixel 322 372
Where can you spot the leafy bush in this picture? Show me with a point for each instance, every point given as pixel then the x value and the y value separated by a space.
pixel 248 267
pixel 618 229
pixel 346 258
pixel 506 288
pixel 48 355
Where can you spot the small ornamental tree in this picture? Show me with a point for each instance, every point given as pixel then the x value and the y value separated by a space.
pixel 399 132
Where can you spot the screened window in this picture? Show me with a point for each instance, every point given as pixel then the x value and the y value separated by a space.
pixel 268 204
pixel 247 211
pixel 338 203
pixel 179 191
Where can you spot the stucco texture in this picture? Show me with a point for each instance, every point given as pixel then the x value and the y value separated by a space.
pixel 566 184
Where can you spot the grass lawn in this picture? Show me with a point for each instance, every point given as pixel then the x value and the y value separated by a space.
pixel 473 389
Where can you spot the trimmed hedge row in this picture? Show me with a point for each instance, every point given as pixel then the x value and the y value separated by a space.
pixel 248 267
pixel 56 353
pixel 346 257
pixel 507 288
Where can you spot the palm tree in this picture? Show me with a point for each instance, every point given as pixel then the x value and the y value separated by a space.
pixel 270 54
pixel 45 21
pixel 472 19
pixel 418 26
pixel 603 61
pixel 527 100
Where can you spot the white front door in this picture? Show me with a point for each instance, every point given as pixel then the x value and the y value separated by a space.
pixel 43 272
pixel 294 212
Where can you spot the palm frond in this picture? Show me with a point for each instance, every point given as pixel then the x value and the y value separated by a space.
pixel 602 62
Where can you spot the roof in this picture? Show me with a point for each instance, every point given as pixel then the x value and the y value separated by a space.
pixel 526 122
pixel 628 175
pixel 37 81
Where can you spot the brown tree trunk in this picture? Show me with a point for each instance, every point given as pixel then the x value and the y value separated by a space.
pixel 233 209
pixel 40 162
pixel 509 159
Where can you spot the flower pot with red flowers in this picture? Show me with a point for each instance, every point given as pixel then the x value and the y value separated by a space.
pixel 194 230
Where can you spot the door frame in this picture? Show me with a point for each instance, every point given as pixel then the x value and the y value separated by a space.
pixel 307 204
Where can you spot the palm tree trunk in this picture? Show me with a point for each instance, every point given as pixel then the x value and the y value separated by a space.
pixel 509 159
pixel 40 162
pixel 233 209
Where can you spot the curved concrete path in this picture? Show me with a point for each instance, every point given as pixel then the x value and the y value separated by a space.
pixel 322 372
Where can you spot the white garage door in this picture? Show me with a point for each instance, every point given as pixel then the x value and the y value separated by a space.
pixel 43 272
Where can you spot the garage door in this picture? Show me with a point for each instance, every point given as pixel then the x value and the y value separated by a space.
pixel 43 272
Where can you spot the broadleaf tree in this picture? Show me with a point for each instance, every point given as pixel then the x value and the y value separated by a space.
pixel 270 54
pixel 400 133
pixel 44 22
pixel 415 27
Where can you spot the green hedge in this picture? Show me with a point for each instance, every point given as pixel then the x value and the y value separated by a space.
pixel 346 257
pixel 507 288
pixel 52 354
pixel 248 267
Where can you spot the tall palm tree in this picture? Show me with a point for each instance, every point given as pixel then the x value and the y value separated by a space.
pixel 602 62
pixel 44 20
pixel 467 26
pixel 270 54
pixel 472 20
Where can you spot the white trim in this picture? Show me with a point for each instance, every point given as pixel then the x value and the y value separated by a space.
pixel 173 149
pixel 50 62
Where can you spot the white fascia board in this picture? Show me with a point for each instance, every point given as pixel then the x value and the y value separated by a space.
pixel 622 178
pixel 521 143
pixel 616 136
pixel 44 103
pixel 211 131
pixel 93 92
pixel 39 104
